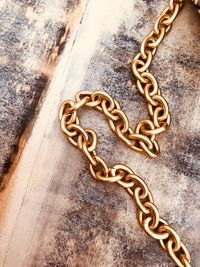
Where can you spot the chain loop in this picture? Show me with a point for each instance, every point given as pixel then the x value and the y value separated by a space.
pixel 142 139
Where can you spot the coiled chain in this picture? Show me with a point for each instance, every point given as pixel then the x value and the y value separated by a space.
pixel 141 139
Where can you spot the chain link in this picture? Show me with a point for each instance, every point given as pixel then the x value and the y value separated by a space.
pixel 141 139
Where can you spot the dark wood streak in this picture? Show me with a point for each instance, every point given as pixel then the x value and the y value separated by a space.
pixel 31 40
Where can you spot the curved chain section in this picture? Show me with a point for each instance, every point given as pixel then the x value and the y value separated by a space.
pixel 86 140
pixel 141 139
pixel 146 82
pixel 119 122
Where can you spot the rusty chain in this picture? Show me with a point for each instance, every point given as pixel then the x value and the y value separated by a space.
pixel 141 139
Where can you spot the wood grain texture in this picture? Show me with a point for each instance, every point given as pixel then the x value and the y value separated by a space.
pixel 53 213
pixel 33 34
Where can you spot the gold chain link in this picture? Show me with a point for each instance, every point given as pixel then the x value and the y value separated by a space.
pixel 141 139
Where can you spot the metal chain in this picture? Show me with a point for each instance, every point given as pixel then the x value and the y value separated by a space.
pixel 141 139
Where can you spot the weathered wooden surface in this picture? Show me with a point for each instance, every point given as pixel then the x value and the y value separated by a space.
pixel 33 34
pixel 53 213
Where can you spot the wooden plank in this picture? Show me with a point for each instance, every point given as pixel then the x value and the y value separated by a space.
pixel 33 34
pixel 53 213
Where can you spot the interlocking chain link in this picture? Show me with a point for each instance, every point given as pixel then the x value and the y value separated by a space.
pixel 146 82
pixel 141 139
